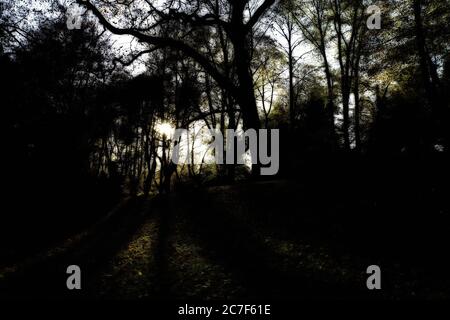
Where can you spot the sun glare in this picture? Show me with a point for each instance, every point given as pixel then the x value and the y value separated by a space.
pixel 165 129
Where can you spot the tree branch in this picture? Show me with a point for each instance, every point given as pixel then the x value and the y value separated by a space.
pixel 259 13
pixel 164 42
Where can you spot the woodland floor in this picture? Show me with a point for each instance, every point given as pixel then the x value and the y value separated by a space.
pixel 217 243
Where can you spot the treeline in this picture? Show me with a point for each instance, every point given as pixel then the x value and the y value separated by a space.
pixel 82 127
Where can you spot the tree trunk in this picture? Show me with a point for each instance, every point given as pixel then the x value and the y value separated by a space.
pixel 346 118
pixel 357 112
pixel 423 56
pixel 246 95
pixel 426 69
pixel 291 84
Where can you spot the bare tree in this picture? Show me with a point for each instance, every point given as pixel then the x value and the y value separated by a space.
pixel 145 20
pixel 314 20
pixel 288 29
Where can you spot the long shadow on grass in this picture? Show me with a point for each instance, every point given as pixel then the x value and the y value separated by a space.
pixel 263 271
pixel 47 279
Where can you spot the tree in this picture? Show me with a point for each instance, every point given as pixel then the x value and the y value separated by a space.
pixel 315 23
pixel 229 15
pixel 287 28
pixel 349 22
pixel 269 65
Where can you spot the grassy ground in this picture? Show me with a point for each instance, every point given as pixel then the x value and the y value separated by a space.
pixel 258 240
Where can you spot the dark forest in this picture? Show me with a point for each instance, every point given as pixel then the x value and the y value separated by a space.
pixel 350 99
